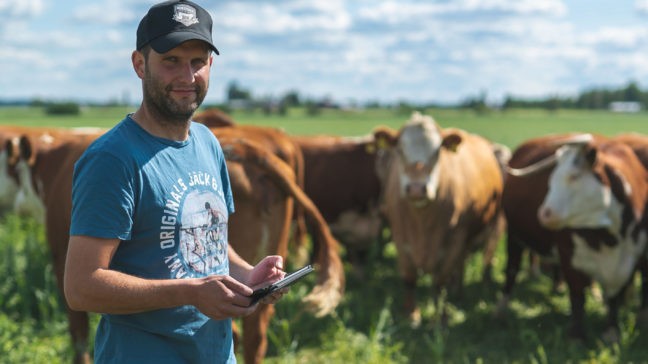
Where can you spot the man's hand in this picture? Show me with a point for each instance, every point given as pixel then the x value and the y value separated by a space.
pixel 220 297
pixel 268 271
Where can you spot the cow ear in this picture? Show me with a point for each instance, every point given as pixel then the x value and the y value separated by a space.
pixel 384 137
pixel 11 148
pixel 622 189
pixel 26 150
pixel 590 155
pixel 451 142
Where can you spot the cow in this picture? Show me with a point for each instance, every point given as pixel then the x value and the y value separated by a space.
pixel 45 184
pixel 340 177
pixel 214 118
pixel 523 193
pixel 281 144
pixel 264 188
pixel 442 194
pixel 600 192
pixel 263 212
pixel 9 143
pixel 525 189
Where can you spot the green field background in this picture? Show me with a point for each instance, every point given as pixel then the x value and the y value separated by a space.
pixel 367 327
pixel 507 127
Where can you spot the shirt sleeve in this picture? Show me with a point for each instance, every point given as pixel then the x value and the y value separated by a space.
pixel 102 197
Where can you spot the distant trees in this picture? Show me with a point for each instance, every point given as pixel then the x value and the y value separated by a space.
pixel 595 98
pixel 626 98
pixel 62 108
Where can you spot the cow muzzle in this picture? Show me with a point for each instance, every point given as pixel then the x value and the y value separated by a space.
pixel 548 218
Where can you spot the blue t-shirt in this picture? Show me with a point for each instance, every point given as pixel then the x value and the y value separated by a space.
pixel 168 202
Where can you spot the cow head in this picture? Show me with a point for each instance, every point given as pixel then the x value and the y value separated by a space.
pixel 416 150
pixel 585 191
pixel 8 179
pixel 28 202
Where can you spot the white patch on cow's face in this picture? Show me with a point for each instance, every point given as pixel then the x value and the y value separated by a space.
pixel 576 198
pixel 28 202
pixel 419 146
pixel 8 186
pixel 611 266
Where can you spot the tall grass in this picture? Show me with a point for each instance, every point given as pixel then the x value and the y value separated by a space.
pixel 33 325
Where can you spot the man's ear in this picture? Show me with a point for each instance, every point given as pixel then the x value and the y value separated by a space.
pixel 139 63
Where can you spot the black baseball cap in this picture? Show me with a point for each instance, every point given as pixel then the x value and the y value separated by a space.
pixel 170 23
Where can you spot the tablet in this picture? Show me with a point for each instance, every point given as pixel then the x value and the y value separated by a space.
pixel 282 283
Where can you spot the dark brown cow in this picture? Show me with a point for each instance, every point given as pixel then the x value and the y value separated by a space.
pixel 258 228
pixel 442 200
pixel 340 177
pixel 522 197
pixel 264 187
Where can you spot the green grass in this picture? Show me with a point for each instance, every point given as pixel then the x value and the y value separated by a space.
pixel 507 127
pixel 368 326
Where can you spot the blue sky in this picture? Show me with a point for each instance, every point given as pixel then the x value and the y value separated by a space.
pixel 361 50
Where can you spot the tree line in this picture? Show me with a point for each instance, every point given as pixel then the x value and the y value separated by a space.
pixel 593 99
pixel 238 97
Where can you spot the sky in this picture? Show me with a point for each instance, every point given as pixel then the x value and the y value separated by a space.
pixel 350 51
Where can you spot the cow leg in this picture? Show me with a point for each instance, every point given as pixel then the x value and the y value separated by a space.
pixel 576 282
pixel 78 323
pixel 491 248
pixel 79 331
pixel 255 328
pixel 642 317
pixel 612 333
pixel 514 251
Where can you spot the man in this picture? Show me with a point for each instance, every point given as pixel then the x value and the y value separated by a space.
pixel 138 192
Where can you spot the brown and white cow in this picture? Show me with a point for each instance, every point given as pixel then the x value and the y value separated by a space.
pixel 45 176
pixel 540 221
pixel 442 200
pixel 603 188
pixel 9 153
pixel 258 228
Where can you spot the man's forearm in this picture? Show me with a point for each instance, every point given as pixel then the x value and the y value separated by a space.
pixel 109 291
pixel 239 268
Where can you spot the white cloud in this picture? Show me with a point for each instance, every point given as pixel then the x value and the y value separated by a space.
pixel 269 18
pixel 109 13
pixel 641 6
pixel 12 8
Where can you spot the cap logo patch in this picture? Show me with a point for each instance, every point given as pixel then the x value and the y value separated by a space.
pixel 185 14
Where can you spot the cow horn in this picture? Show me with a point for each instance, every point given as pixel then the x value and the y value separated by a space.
pixel 550 161
pixel 534 168
pixel 579 139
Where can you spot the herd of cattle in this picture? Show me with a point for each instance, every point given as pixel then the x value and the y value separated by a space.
pixel 444 194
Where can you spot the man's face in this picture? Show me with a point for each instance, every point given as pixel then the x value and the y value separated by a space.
pixel 176 82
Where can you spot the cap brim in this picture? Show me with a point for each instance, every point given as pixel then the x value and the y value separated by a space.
pixel 169 41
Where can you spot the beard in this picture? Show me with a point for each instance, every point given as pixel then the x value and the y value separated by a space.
pixel 157 97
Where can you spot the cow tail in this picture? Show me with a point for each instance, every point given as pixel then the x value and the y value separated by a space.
pixel 327 293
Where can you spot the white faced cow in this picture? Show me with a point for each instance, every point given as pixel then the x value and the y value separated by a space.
pixel 442 192
pixel 600 190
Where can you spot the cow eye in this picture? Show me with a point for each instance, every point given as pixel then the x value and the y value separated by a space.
pixel 573 177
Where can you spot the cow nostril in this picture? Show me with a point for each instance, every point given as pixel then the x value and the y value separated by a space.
pixel 544 214
pixel 416 190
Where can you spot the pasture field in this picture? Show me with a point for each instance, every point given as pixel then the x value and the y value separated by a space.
pixel 368 326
